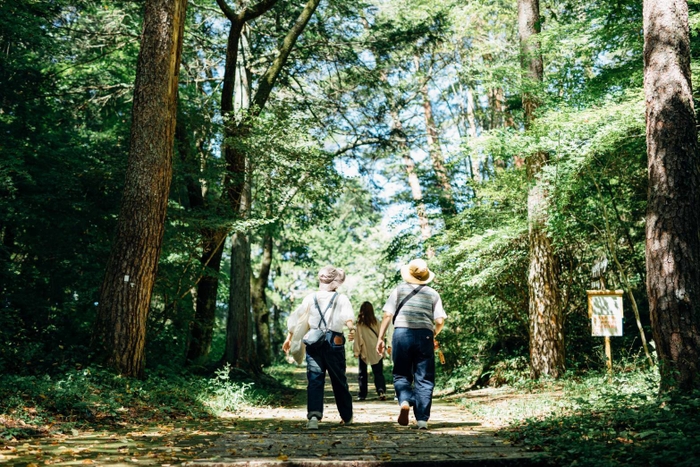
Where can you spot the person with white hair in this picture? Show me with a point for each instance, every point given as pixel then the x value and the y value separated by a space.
pixel 418 317
pixel 322 317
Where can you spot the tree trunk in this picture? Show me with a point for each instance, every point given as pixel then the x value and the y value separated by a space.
pixel 239 326
pixel 413 182
pixel 240 353
pixel 261 311
pixel 471 119
pixel 202 325
pixel 213 239
pixel 202 330
pixel 120 328
pixel 446 199
pixel 545 313
pixel 672 225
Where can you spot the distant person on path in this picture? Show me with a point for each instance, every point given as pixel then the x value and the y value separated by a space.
pixel 328 311
pixel 418 317
pixel 365 347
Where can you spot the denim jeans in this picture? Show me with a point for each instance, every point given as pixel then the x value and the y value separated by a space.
pixel 414 369
pixel 377 373
pixel 328 357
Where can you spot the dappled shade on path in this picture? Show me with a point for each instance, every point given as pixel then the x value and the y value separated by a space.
pixel 277 436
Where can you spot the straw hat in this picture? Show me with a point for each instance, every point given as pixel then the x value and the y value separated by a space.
pixel 417 272
pixel 330 278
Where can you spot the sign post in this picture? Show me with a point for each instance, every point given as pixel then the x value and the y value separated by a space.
pixel 605 311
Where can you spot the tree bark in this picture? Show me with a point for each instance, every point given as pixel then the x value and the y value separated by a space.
pixel 545 313
pixel 202 330
pixel 261 312
pixel 672 225
pixel 239 326
pixel 120 328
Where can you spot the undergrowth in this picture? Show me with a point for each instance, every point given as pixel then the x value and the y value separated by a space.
pixel 40 405
pixel 618 420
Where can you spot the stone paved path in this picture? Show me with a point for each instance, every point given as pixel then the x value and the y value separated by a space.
pixel 277 436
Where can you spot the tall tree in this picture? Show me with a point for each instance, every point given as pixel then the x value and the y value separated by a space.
pixel 413 182
pixel 445 199
pixel 213 238
pixel 239 328
pixel 672 222
pixel 120 328
pixel 545 308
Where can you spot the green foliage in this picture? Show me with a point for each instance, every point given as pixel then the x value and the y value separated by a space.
pixel 224 394
pixel 95 396
pixel 621 421
pixel 64 104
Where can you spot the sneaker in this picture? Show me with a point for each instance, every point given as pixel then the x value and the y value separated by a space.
pixel 312 424
pixel 403 414
pixel 382 396
pixel 422 425
pixel 344 423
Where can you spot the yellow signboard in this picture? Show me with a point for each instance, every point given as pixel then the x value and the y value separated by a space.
pixel 605 311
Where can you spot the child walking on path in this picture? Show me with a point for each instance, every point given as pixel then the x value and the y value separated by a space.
pixel 365 348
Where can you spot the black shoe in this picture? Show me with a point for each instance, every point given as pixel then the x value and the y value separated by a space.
pixel 360 398
pixel 382 396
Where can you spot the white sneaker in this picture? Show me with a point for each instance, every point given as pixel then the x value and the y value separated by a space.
pixel 422 425
pixel 312 424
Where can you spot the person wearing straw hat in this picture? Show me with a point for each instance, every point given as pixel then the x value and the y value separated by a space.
pixel 329 312
pixel 418 316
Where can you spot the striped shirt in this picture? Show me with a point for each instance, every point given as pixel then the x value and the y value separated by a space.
pixel 419 311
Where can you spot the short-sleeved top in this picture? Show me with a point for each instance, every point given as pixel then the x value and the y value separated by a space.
pixel 335 317
pixel 419 312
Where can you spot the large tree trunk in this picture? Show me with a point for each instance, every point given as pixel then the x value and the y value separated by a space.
pixel 545 313
pixel 672 225
pixel 120 328
pixel 261 311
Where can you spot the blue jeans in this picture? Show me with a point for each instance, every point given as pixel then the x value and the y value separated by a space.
pixel 414 369
pixel 377 373
pixel 328 357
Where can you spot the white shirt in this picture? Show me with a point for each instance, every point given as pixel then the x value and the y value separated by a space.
pixel 335 317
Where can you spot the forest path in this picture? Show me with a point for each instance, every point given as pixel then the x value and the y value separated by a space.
pixel 277 436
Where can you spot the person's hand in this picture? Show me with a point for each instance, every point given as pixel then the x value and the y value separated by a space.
pixel 380 346
pixel 436 344
pixel 287 345
pixel 351 335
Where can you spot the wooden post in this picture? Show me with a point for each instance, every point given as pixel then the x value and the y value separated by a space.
pixel 608 354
